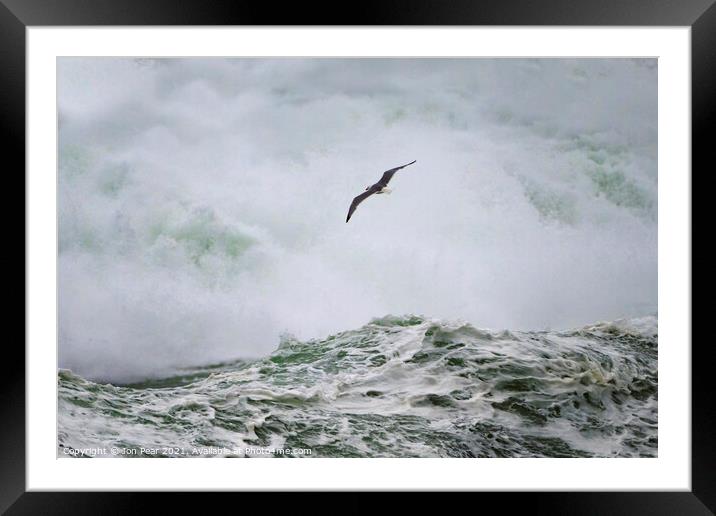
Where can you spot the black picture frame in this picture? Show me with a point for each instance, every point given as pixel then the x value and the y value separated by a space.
pixel 17 15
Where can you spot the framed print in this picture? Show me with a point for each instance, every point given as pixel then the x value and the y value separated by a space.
pixel 439 249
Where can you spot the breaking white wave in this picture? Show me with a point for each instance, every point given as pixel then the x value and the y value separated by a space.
pixel 202 201
pixel 396 387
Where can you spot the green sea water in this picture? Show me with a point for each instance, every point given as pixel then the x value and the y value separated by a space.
pixel 396 387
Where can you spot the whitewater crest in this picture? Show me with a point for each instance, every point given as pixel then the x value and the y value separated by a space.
pixel 197 212
pixel 396 387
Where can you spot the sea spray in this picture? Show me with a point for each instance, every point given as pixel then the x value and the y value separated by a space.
pixel 202 201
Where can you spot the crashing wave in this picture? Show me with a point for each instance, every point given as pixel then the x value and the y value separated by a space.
pixel 397 387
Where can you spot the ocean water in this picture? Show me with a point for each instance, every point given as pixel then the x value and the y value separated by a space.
pixel 202 204
pixel 396 387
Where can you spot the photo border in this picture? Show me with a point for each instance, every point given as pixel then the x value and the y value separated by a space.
pixel 17 15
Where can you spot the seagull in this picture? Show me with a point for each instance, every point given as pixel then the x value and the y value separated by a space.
pixel 381 187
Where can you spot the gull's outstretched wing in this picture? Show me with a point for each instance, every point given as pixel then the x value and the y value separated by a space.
pixel 388 174
pixel 359 199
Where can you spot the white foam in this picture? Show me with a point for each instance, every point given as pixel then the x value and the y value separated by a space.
pixel 202 202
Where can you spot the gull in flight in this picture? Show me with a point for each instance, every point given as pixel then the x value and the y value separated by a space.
pixel 381 187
